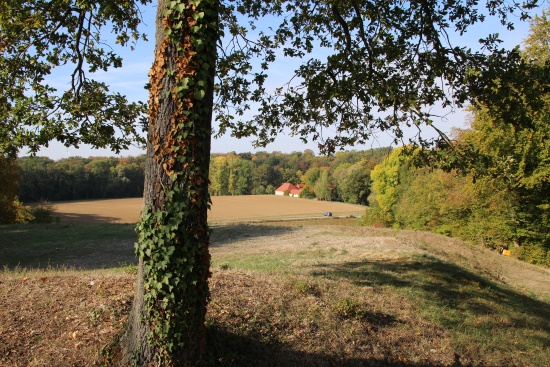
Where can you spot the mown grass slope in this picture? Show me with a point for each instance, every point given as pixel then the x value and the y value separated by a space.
pixel 318 293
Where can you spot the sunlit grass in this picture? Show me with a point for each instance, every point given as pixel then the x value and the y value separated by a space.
pixel 311 295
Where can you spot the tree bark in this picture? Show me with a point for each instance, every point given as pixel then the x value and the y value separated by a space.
pixel 176 194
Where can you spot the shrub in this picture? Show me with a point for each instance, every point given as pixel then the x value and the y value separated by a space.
pixel 14 212
pixel 7 210
pixel 23 213
pixel 304 287
pixel 534 254
pixel 376 217
pixel 43 212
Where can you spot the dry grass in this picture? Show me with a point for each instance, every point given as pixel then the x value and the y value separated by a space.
pixel 321 295
pixel 318 293
pixel 60 318
pixel 299 321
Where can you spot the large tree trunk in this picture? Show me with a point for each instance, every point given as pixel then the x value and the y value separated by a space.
pixel 166 325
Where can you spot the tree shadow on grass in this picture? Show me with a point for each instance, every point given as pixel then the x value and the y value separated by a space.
pixel 229 349
pixel 446 286
pixel 94 244
pixel 223 235
pixel 88 256
pixel 86 218
pixel 67 245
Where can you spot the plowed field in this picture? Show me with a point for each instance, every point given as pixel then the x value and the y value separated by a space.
pixel 224 209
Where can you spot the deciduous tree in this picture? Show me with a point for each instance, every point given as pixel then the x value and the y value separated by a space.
pixel 353 184
pixel 511 152
pixel 537 42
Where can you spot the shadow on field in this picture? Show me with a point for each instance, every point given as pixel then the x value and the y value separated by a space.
pixel 90 244
pixel 229 349
pixel 457 293
pixel 227 234
pixel 86 218
pixel 67 245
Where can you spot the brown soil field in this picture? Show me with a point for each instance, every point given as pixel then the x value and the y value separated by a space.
pixel 224 209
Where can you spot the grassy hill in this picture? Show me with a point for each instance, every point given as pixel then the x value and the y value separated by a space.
pixel 305 293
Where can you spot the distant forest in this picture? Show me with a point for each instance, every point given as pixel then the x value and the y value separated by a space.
pixel 344 176
pixel 78 178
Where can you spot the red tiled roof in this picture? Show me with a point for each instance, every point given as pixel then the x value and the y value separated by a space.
pixel 287 186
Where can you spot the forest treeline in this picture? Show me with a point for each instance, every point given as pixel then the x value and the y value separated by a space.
pixel 489 189
pixel 78 178
pixel 491 183
pixel 341 177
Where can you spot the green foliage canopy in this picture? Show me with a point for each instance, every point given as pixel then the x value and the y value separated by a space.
pixel 39 36
pixel 386 179
pixel 77 178
pixel 514 159
pixel 387 61
pixel 537 42
pixel 496 185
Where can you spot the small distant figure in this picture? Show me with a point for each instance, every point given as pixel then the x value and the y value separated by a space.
pixel 327 214
pixel 503 250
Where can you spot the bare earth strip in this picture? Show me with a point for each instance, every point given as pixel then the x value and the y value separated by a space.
pixel 224 209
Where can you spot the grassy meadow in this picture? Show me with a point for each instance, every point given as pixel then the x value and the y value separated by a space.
pixel 290 293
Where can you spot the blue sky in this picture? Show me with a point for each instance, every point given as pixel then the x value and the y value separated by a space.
pixel 131 78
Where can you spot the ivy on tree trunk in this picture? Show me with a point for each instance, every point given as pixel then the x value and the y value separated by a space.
pixel 167 321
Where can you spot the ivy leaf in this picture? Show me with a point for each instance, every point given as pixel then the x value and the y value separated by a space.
pixel 180 7
pixel 199 95
pixel 198 15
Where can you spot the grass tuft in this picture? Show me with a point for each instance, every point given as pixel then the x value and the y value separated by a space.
pixel 348 308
